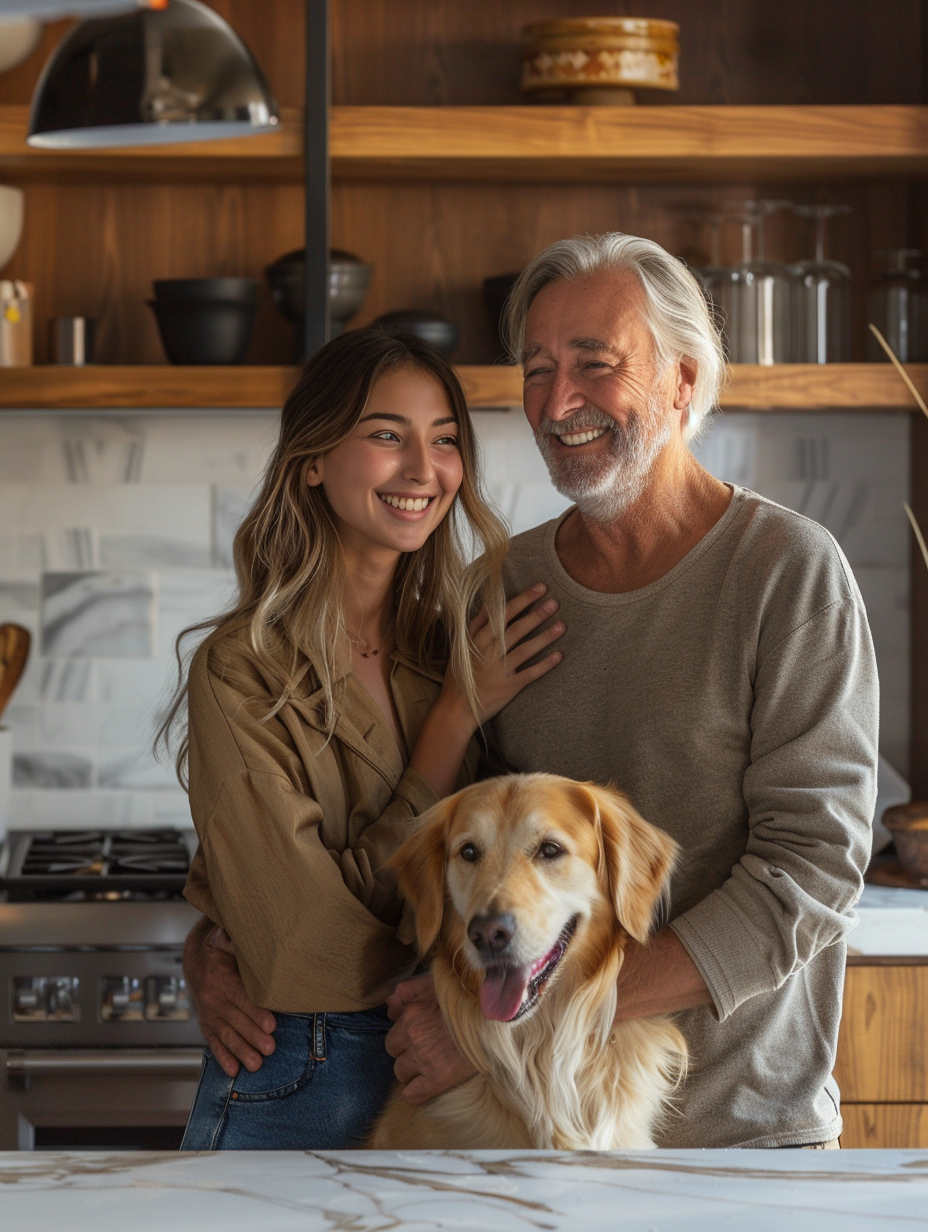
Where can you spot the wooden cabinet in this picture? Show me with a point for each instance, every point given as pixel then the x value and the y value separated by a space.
pixel 896 1126
pixel 882 1064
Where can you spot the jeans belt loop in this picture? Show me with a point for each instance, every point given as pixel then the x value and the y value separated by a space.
pixel 318 1037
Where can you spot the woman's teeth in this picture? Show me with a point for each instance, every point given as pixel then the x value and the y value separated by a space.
pixel 581 438
pixel 410 503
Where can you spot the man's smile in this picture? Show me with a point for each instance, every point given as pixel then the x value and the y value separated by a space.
pixel 580 438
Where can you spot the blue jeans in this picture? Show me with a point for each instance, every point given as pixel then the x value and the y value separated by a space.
pixel 321 1089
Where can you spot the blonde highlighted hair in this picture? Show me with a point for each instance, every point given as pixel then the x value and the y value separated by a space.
pixel 288 558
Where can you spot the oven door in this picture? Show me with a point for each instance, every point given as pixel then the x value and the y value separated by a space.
pixel 107 1099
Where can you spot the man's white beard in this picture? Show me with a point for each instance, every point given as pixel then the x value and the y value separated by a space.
pixel 604 487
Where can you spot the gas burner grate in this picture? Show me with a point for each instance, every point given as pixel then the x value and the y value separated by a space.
pixel 98 864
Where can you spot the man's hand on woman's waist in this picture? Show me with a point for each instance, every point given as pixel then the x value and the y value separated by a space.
pixel 235 1028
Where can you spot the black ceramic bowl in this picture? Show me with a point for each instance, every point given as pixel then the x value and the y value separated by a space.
pixel 204 331
pixel 428 326
pixel 495 293
pixel 188 290
pixel 349 278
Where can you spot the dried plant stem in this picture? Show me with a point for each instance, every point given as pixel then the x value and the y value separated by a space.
pixel 899 368
pixel 918 534
pixel 921 402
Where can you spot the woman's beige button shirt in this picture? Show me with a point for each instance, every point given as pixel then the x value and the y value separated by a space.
pixel 294 829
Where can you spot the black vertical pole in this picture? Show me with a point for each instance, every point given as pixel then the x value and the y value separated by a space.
pixel 317 176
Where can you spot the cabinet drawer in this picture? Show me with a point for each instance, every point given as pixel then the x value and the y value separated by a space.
pixel 883 1044
pixel 899 1126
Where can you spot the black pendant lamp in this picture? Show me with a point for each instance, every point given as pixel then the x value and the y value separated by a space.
pixel 150 77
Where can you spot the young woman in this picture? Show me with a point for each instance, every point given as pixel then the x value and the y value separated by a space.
pixel 334 704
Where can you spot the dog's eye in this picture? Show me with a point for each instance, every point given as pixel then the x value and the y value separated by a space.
pixel 550 851
pixel 469 853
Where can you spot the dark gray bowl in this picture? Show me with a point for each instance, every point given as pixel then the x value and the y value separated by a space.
pixel 495 293
pixel 204 331
pixel 187 290
pixel 349 278
pixel 428 326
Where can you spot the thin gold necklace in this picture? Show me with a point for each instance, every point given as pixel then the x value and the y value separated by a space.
pixel 365 654
pixel 365 648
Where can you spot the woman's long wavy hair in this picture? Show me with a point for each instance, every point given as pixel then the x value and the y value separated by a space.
pixel 288 558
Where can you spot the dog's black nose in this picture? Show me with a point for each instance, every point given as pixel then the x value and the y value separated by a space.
pixel 491 934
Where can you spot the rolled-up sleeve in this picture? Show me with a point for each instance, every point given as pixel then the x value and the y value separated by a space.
pixel 810 791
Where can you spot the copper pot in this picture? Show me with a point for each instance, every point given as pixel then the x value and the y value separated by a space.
pixel 908 824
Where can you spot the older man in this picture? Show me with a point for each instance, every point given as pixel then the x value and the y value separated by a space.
pixel 718 667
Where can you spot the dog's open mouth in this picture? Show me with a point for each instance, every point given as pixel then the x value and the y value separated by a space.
pixel 508 993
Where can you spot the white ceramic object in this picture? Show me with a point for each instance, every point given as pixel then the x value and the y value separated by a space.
pixel 19 37
pixel 11 221
pixel 6 780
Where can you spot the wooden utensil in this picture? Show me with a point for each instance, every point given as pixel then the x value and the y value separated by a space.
pixel 14 651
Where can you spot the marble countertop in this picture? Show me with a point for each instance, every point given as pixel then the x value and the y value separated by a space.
pixel 892 922
pixel 509 1191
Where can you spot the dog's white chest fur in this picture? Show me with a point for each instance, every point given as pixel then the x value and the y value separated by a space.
pixel 568 1081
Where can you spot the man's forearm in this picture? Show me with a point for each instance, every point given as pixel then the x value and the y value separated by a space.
pixel 659 978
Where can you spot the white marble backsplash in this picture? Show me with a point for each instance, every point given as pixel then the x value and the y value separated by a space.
pixel 116 533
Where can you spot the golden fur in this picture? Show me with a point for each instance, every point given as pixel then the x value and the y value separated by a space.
pixel 540 851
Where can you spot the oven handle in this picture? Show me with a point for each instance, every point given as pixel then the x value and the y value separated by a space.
pixel 183 1062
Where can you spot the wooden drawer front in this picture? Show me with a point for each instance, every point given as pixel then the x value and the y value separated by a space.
pixel 899 1126
pixel 883 1044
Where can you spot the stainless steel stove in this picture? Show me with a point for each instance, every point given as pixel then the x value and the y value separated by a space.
pixel 99 1044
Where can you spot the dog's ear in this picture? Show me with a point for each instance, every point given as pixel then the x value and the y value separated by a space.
pixel 419 864
pixel 636 857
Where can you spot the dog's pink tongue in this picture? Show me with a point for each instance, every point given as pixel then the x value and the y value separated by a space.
pixel 502 992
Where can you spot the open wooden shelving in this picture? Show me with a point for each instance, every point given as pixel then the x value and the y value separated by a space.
pixel 788 387
pixel 511 144
pixel 629 144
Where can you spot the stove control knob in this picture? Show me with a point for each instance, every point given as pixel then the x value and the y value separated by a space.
pixel 26 1001
pixel 121 998
pixel 167 999
pixel 62 999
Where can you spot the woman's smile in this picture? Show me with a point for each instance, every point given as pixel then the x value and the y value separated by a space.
pixel 404 503
pixel 395 477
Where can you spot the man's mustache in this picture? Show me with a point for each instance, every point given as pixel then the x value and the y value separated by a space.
pixel 581 421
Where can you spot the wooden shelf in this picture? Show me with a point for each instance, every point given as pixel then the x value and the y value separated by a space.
pixel 822 387
pixel 610 144
pixel 566 144
pixel 788 387
pixel 51 386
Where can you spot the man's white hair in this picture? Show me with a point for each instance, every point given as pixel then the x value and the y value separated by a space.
pixel 677 313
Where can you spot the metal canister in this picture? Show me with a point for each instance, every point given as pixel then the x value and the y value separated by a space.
pixel 71 340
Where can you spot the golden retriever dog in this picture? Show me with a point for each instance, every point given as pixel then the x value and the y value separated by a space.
pixel 526 889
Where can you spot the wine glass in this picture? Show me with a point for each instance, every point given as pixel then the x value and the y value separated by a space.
pixel 821 298
pixel 898 307
pixel 754 297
